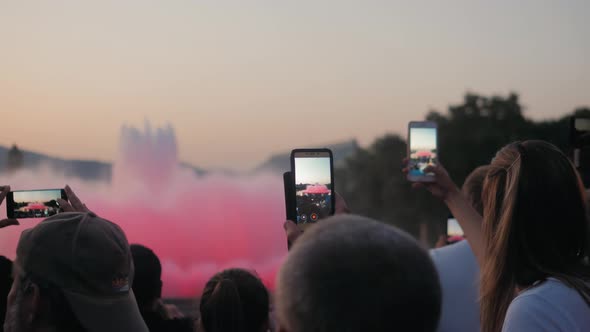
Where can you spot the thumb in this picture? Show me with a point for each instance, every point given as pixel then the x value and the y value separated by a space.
pixel 293 232
pixel 8 222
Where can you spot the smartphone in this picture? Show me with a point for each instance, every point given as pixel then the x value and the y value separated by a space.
pixel 422 150
pixel 313 174
pixel 289 184
pixel 578 128
pixel 453 228
pixel 42 203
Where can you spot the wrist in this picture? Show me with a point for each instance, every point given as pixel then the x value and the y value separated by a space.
pixel 452 196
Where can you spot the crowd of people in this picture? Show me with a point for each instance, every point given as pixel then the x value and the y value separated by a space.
pixel 524 266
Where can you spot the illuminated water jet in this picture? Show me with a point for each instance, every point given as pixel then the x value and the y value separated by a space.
pixel 197 225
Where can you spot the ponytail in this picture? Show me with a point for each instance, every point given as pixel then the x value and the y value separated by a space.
pixel 221 307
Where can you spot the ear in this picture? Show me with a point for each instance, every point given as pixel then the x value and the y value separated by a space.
pixel 160 289
pixel 32 303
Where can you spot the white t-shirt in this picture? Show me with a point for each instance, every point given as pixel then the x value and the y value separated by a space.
pixel 459 279
pixel 549 306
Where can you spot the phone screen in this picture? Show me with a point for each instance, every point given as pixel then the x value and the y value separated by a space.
pixel 423 150
pixel 313 186
pixel 34 203
pixel 582 124
pixel 454 229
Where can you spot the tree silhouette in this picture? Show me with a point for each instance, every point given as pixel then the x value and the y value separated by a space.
pixel 469 136
pixel 15 159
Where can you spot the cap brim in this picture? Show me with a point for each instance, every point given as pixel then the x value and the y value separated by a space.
pixel 119 314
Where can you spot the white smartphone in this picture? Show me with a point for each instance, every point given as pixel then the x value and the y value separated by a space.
pixel 422 150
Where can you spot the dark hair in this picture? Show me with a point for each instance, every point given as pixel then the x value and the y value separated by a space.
pixel 585 159
pixel 234 300
pixel 5 284
pixel 473 187
pixel 535 226
pixel 147 283
pixel 351 273
pixel 58 311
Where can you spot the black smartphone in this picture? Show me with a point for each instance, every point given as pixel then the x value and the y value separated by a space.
pixel 289 183
pixel 454 230
pixel 578 127
pixel 422 150
pixel 313 175
pixel 42 203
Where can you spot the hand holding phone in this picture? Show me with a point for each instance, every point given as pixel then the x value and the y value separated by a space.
pixel 42 203
pixel 4 190
pixel 313 176
pixel 422 150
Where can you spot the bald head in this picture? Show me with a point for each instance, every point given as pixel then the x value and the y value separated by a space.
pixel 350 273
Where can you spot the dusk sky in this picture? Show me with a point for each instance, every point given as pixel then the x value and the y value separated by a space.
pixel 312 171
pixel 240 80
pixel 423 138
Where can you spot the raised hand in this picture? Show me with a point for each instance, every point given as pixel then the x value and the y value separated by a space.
pixel 73 204
pixel 442 187
pixel 6 222
pixel 293 232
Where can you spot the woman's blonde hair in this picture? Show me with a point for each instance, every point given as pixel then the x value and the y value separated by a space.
pixel 535 226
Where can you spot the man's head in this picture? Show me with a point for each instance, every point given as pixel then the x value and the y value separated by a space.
pixel 73 272
pixel 147 284
pixel 350 273
pixel 473 187
pixel 5 284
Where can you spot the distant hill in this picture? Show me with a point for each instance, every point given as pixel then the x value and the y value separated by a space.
pixel 85 169
pixel 280 163
pixel 91 170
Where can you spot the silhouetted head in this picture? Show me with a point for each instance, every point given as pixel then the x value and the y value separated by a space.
pixel 147 284
pixel 234 300
pixel 5 284
pixel 73 272
pixel 473 187
pixel 350 273
pixel 535 225
pixel 584 160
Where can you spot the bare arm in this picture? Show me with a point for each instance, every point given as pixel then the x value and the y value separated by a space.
pixel 445 189
pixel 470 221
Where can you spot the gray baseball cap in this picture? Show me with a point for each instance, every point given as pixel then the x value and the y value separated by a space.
pixel 89 259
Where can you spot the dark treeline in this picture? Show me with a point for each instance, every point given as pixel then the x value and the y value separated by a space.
pixel 469 135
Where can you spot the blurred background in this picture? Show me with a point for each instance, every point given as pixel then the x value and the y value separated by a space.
pixel 175 119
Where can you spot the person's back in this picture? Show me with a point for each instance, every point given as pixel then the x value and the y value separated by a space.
pixel 350 273
pixel 458 270
pixel 147 286
pixel 459 274
pixel 234 300
pixel 548 306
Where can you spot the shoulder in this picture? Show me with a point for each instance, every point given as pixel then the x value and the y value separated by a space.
pixel 451 252
pixel 550 306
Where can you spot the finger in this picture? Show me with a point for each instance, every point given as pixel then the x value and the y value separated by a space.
pixel 173 311
pixel 418 185
pixel 431 169
pixel 74 200
pixel 341 206
pixel 5 191
pixel 405 170
pixel 293 232
pixel 405 162
pixel 8 222
pixel 65 205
